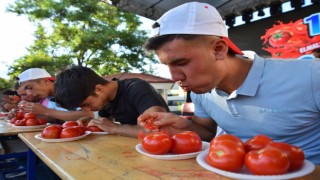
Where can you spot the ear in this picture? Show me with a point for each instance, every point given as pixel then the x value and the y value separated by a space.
pixel 221 49
pixel 98 89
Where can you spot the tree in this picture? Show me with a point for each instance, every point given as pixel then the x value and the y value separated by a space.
pixel 88 33
pixel 5 84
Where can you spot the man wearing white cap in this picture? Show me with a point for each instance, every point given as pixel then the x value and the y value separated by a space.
pixel 277 98
pixel 40 84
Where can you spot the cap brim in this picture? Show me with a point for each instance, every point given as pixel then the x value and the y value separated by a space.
pixel 232 46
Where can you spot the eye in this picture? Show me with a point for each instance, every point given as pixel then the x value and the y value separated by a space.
pixel 28 88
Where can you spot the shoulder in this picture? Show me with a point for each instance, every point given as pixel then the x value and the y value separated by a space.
pixel 135 82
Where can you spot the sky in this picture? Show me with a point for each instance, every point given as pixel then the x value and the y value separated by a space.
pixel 16 35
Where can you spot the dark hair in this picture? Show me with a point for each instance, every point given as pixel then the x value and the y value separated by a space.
pixel 316 50
pixel 9 92
pixel 156 42
pixel 72 86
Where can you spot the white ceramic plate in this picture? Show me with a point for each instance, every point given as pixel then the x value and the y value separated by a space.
pixel 38 136
pixel 98 133
pixel 30 127
pixel 171 156
pixel 307 168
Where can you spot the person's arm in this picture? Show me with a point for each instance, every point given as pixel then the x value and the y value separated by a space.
pixel 128 130
pixel 39 109
pixel 111 127
pixel 172 123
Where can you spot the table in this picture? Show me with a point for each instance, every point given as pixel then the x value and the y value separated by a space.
pixel 8 132
pixel 115 157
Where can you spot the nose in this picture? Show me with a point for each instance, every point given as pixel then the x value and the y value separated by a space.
pixel 176 74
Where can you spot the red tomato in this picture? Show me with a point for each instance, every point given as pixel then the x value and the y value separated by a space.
pixel 42 121
pixel 279 39
pixel 94 129
pixel 227 137
pixel 157 143
pixel 18 123
pixel 29 115
pixel 226 155
pixel 186 142
pixel 51 132
pixel 148 124
pixel 294 153
pixel 19 115
pixel 13 120
pixel 267 161
pixel 257 142
pixel 70 124
pixel 32 122
pixel 70 132
pixel 81 129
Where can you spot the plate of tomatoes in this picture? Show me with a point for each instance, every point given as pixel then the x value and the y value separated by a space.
pixel 244 173
pixel 39 136
pixel 172 156
pixel 257 158
pixel 161 145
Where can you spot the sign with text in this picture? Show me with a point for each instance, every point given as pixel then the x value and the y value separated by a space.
pixel 291 35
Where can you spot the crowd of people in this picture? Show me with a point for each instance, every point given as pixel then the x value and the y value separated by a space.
pixel 232 93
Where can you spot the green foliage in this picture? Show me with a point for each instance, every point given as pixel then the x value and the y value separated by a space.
pixel 88 33
pixel 5 84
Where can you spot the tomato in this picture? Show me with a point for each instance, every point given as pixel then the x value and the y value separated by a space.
pixel 141 135
pixel 227 137
pixel 157 143
pixel 267 161
pixel 226 155
pixel 186 142
pixel 279 38
pixel 70 132
pixel 29 115
pixel 19 123
pixel 32 122
pixel 42 121
pixel 294 153
pixel 148 124
pixel 19 115
pixel 81 129
pixel 257 142
pixel 51 132
pixel 94 129
pixel 13 120
pixel 70 124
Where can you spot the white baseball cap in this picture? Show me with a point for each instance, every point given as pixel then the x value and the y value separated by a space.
pixel 33 73
pixel 193 18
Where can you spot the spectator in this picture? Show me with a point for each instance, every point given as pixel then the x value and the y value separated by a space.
pixel 119 102
pixel 274 97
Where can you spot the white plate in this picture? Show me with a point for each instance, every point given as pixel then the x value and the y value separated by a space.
pixel 38 136
pixel 99 133
pixel 307 168
pixel 171 156
pixel 30 127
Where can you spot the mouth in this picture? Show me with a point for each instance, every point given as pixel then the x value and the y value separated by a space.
pixel 185 88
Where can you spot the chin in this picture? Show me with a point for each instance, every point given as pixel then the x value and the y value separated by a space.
pixel 200 91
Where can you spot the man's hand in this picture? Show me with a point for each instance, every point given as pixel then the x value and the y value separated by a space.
pixel 167 122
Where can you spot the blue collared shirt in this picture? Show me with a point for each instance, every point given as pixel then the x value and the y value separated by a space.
pixel 279 98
